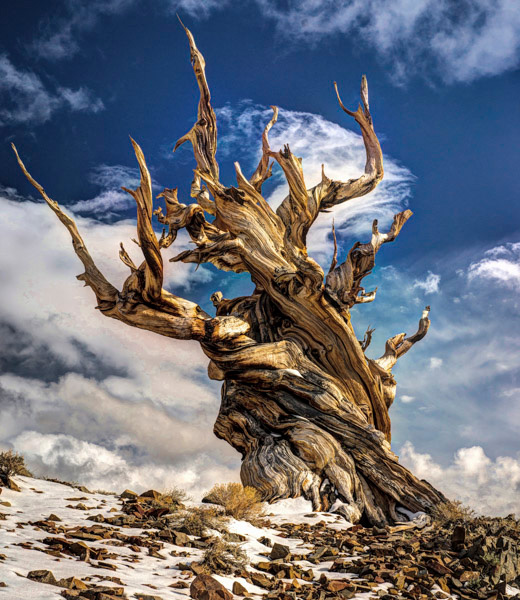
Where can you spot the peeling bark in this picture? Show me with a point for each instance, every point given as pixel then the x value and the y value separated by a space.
pixel 307 410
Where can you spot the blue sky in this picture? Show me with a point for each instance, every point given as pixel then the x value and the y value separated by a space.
pixel 88 400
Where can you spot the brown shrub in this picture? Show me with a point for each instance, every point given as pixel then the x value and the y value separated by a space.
pixel 174 495
pixel 12 463
pixel 224 558
pixel 453 512
pixel 238 501
pixel 198 521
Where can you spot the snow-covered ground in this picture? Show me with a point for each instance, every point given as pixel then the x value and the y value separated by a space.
pixel 140 573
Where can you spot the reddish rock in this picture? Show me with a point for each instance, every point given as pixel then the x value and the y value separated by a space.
pixel 205 587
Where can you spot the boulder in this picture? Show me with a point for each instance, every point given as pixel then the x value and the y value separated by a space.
pixel 205 587
pixel 128 494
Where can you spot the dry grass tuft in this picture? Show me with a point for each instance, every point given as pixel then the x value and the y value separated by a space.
pixel 453 512
pixel 12 463
pixel 174 495
pixel 224 558
pixel 238 501
pixel 198 521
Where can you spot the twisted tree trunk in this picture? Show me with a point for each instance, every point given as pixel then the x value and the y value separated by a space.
pixel 301 402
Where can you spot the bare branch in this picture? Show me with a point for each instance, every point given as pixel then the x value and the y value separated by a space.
pixel 264 169
pixel 105 292
pixel 138 305
pixel 354 188
pixel 400 344
pixel 344 282
pixel 145 233
pixel 367 338
pixel 203 135
pixel 300 209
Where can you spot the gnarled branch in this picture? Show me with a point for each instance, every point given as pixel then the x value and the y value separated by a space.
pixel 343 283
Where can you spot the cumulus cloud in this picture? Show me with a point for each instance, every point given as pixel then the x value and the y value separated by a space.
pixel 26 99
pixel 317 141
pixel 435 362
pixel 461 41
pixel 68 458
pixel 430 285
pixel 500 265
pixel 143 398
pixel 490 487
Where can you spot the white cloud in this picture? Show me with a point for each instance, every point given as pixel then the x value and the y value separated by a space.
pixel 112 200
pixel 317 141
pixel 501 265
pixel 462 41
pixel 430 285
pixel 435 362
pixel 68 458
pixel 26 99
pixel 490 487
pixel 407 399
pixel 147 399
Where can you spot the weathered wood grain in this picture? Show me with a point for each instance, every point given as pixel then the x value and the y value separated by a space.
pixel 307 410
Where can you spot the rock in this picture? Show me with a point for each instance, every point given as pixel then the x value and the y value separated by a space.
pixel 180 585
pixel 42 576
pixel 53 517
pixel 128 494
pixel 180 539
pixel 239 589
pixel 205 587
pixel 279 551
pixel 261 580
pixel 72 583
pixel 336 585
pixel 265 541
pixel 151 494
pixel 140 596
pixel 81 550
pixel 458 536
pixel 12 485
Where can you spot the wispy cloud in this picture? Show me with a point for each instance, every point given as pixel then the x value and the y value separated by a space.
pixel 459 40
pixel 26 99
pixel 317 141
pixel 112 200
pixel 62 35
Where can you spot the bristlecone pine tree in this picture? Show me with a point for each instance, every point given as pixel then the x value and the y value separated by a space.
pixel 307 410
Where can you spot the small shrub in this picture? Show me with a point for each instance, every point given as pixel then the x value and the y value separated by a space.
pixel 12 463
pixel 453 512
pixel 174 495
pixel 198 521
pixel 238 501
pixel 224 558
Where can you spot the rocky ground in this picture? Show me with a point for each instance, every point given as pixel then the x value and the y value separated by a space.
pixel 57 541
